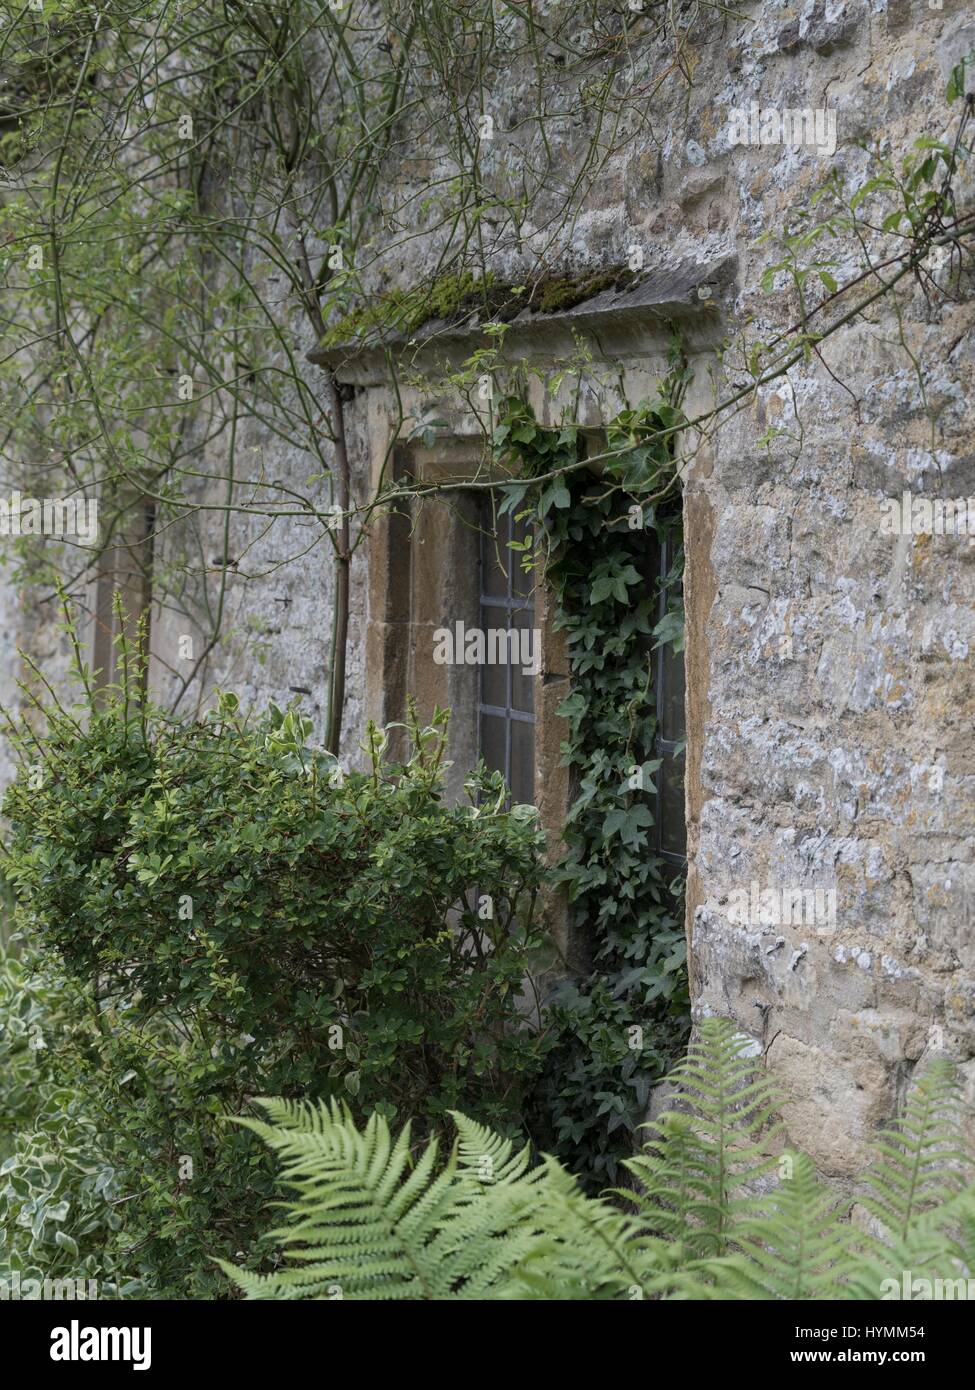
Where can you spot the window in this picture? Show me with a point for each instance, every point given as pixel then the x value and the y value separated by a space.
pixel 506 702
pixel 124 567
pixel 671 827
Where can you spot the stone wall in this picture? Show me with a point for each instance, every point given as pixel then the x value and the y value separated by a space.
pixel 830 678
pixel 832 681
pixel 829 664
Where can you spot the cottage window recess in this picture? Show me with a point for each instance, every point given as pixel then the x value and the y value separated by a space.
pixel 506 703
pixel 663 549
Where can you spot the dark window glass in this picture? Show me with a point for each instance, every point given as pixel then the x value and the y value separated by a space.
pixel 494 678
pixel 672 695
pixel 670 800
pixel 670 816
pixel 494 741
pixel 506 699
pixel 522 761
pixel 522 680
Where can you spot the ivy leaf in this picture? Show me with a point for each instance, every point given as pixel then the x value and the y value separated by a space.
pixel 556 495
pixel 670 630
pixel 514 495
pixel 602 588
pixel 573 706
pixel 956 82
pixel 628 822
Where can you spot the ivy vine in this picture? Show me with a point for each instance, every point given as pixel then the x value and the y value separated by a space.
pixel 619 1017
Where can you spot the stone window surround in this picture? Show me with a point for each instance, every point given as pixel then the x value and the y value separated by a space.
pixel 629 334
pixel 123 567
pixel 424 573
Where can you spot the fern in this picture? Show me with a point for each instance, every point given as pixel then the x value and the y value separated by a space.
pixel 701 1162
pixel 711 1218
pixel 585 1249
pixel 359 1220
pixel 796 1246
pixel 366 1222
pixel 940 1245
pixel 920 1193
pixel 921 1158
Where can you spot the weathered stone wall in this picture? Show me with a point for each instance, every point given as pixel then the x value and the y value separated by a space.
pixel 275 597
pixel 829 665
pixel 834 692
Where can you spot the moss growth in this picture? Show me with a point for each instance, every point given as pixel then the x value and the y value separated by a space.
pixel 560 293
pixel 404 311
pixel 453 298
pixel 456 295
pixel 388 313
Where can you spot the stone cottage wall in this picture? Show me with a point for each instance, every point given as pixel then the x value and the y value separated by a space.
pixel 831 692
pixel 835 704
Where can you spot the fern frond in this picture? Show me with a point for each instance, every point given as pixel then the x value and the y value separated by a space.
pixel 486 1155
pixel 361 1219
pixel 939 1246
pixel 796 1246
pixel 583 1247
pixel 364 1220
pixel 701 1163
pixel 920 1159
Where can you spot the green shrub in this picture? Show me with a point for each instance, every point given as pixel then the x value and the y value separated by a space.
pixel 245 919
pixel 58 1193
pixel 719 1214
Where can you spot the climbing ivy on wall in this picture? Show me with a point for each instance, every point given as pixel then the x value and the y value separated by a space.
pixel 620 1016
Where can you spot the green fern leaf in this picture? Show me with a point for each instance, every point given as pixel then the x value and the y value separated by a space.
pixel 920 1159
pixel 702 1163
pixel 796 1246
